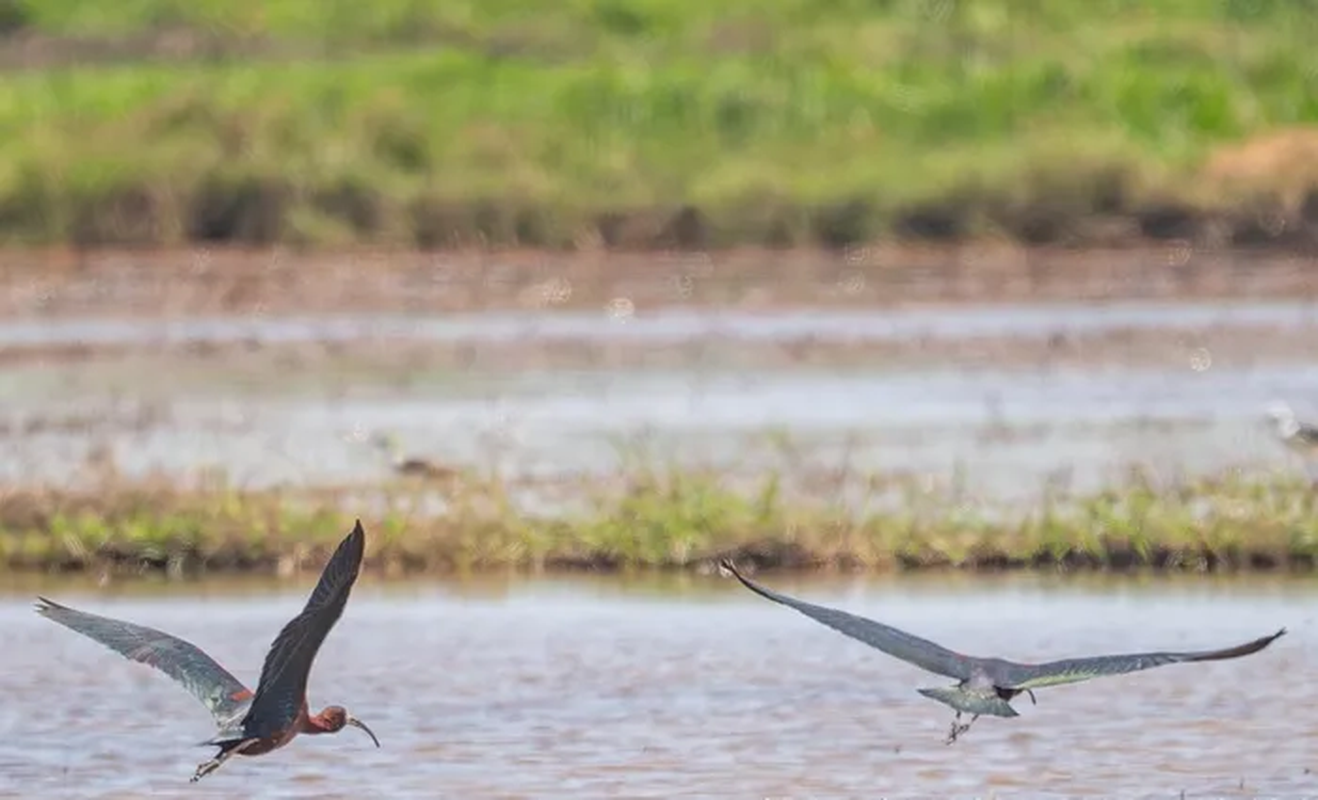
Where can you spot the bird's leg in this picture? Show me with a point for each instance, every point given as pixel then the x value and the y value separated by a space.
pixel 959 728
pixel 208 767
pixel 1030 692
pixel 952 734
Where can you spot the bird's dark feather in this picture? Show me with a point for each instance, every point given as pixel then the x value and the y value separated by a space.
pixel 896 643
pixel 282 689
pixel 222 694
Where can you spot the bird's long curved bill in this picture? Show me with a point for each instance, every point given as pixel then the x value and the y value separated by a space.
pixel 356 723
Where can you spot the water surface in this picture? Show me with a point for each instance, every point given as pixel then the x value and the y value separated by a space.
pixel 1007 433
pixel 668 324
pixel 686 687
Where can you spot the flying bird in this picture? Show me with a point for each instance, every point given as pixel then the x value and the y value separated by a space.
pixel 250 724
pixel 1298 436
pixel 985 685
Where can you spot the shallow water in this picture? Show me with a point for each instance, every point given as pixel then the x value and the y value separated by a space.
pixel 1007 434
pixel 670 324
pixel 682 687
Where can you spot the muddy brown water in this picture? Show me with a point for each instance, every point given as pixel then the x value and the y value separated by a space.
pixel 679 687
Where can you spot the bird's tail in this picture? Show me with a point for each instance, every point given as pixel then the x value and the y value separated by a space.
pixel 223 739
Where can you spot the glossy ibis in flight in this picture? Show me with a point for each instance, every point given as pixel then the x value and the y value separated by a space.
pixel 250 724
pixel 986 685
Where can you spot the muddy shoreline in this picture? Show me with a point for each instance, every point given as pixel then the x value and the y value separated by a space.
pixel 768 557
pixel 394 360
pixel 183 282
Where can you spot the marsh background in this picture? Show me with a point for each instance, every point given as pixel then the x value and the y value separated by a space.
pixel 961 314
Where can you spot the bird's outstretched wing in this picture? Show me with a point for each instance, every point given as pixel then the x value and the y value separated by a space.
pixel 283 685
pixel 1074 670
pixel 896 643
pixel 222 694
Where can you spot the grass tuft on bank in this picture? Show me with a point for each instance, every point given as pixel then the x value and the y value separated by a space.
pixel 658 518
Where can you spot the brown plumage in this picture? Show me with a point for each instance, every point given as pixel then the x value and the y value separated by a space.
pixel 249 723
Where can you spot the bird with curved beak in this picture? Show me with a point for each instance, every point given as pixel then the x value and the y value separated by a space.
pixel 250 724
pixel 985 685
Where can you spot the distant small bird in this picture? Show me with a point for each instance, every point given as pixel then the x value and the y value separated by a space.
pixel 1298 436
pixel 985 684
pixel 249 725
pixel 410 466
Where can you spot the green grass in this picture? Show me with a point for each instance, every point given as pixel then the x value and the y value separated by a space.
pixel 662 518
pixel 510 122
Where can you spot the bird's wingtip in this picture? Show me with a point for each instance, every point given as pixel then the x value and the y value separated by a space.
pixel 357 531
pixel 1264 641
pixel 42 605
pixel 353 547
pixel 727 568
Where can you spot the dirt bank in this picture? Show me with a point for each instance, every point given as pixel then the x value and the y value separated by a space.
pixel 400 361
pixel 211 281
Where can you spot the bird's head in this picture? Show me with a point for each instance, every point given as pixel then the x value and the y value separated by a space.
pixel 334 718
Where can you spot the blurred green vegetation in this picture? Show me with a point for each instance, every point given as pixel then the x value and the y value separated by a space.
pixel 640 122
pixel 662 517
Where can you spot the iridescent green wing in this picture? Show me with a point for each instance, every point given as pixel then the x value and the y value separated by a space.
pixel 222 694
pixel 1075 670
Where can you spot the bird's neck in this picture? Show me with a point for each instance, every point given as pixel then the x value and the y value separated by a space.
pixel 315 723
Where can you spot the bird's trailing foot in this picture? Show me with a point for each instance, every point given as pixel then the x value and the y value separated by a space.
pixel 959 727
pixel 207 767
